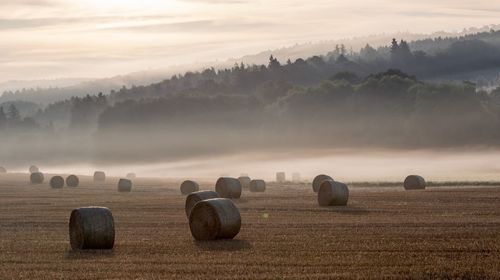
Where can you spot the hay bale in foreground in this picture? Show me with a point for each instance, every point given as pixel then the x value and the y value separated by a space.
pixel 34 169
pixel 72 181
pixel 189 186
pixel 257 186
pixel 228 187
pixel 245 181
pixel 131 176
pixel 216 218
pixel 37 178
pixel 99 176
pixel 3 170
pixel 125 185
pixel 333 193
pixel 57 182
pixel 196 197
pixel 91 228
pixel 280 177
pixel 318 180
pixel 415 182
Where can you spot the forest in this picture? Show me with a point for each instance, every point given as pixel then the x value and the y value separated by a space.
pixel 385 97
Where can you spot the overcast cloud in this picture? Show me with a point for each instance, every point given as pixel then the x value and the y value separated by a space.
pixel 62 38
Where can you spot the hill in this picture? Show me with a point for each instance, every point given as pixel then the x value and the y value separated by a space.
pixel 386 97
pixel 45 92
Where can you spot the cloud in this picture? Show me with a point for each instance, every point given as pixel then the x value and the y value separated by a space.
pixel 28 23
pixel 24 23
pixel 51 38
pixel 428 15
pixel 216 26
pixel 218 1
pixel 40 3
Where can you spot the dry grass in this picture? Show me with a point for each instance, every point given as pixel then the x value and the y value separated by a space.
pixel 385 232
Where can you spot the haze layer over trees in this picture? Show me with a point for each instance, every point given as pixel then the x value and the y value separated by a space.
pixel 390 97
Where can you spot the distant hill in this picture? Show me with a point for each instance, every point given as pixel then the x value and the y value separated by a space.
pixel 45 92
pixel 376 97
pixel 418 42
pixel 42 84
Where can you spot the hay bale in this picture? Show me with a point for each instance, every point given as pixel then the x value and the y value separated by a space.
pixel 91 228
pixel 99 176
pixel 196 197
pixel 131 176
pixel 57 182
pixel 3 170
pixel 216 218
pixel 296 177
pixel 333 193
pixel 245 181
pixel 318 180
pixel 34 169
pixel 415 182
pixel 189 186
pixel 125 185
pixel 228 187
pixel 37 178
pixel 257 186
pixel 72 181
pixel 280 177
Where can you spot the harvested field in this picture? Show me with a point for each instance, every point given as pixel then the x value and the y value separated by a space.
pixel 384 232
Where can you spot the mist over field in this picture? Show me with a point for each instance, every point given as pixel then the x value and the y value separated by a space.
pixel 364 165
pixel 362 102
pixel 154 93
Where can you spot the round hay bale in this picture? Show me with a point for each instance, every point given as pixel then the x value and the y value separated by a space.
pixel 34 169
pixel 257 186
pixel 56 182
pixel 333 193
pixel 189 186
pixel 3 170
pixel 125 185
pixel 318 180
pixel 72 181
pixel 196 197
pixel 216 218
pixel 99 176
pixel 414 182
pixel 37 178
pixel 245 181
pixel 280 177
pixel 91 228
pixel 228 187
pixel 131 176
pixel 296 177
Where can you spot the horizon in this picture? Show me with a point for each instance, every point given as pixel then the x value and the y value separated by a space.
pixel 104 39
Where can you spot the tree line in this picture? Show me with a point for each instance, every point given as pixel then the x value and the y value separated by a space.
pixel 373 97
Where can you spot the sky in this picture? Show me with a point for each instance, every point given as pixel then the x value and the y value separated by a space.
pixel 48 39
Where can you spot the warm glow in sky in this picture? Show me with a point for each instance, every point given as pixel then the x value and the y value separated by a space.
pixel 92 38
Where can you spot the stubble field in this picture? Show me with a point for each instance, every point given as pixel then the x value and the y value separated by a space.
pixel 384 232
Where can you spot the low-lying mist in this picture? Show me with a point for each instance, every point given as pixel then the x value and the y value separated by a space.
pixel 294 117
pixel 350 165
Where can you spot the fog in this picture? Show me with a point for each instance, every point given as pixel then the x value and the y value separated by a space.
pixel 373 113
pixel 377 128
pixel 344 165
pixel 207 152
